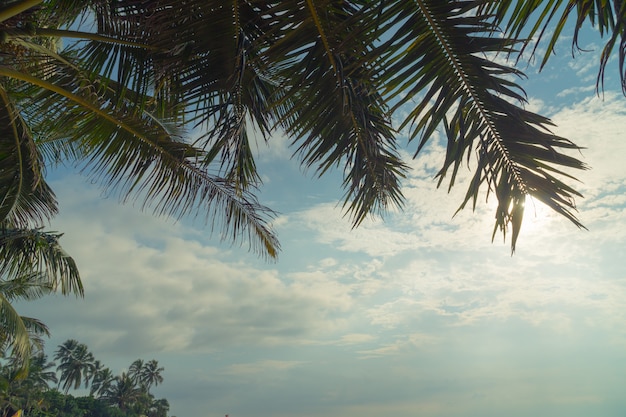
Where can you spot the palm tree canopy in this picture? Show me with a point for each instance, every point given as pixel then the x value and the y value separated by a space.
pixel 101 382
pixel 76 364
pixel 123 392
pixel 333 74
pixel 71 105
pixel 151 374
pixel 146 374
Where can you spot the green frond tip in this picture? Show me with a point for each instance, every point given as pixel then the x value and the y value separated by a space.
pixel 510 214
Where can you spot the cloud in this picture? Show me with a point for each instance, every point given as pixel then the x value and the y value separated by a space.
pixel 401 345
pixel 260 367
pixel 158 286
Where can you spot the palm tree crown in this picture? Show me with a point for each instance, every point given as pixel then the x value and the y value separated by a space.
pixel 76 364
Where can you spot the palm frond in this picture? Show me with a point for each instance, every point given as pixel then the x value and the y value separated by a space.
pixel 27 286
pixel 134 153
pixel 25 198
pixel 332 105
pixel 549 19
pixel 30 251
pixel 13 331
pixel 443 55
pixel 19 333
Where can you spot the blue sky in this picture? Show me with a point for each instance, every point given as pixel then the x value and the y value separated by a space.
pixel 416 314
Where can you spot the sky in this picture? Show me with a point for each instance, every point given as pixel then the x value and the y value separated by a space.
pixel 415 314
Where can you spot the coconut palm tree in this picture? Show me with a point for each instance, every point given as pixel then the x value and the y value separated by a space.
pixel 101 382
pixel 40 371
pixel 146 374
pixel 134 371
pixel 60 104
pixel 158 408
pixel 151 374
pixel 123 393
pixel 76 364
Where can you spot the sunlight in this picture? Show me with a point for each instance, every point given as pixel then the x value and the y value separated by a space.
pixel 537 217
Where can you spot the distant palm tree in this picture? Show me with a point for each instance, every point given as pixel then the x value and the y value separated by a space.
pixel 123 392
pixel 40 372
pixel 151 374
pixel 101 382
pixel 76 364
pixel 134 371
pixel 146 374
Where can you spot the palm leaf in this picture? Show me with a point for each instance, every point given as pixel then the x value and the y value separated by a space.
pixel 549 19
pixel 321 52
pixel 137 154
pixel 13 331
pixel 18 332
pixel 442 55
pixel 25 197
pixel 27 251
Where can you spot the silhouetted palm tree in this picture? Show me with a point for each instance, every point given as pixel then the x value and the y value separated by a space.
pixel 76 364
pixel 151 374
pixel 134 371
pixel 101 382
pixel 123 392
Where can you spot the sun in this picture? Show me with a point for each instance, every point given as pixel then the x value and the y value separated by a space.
pixel 537 217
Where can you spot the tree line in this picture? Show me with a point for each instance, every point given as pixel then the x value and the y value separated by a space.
pixel 42 391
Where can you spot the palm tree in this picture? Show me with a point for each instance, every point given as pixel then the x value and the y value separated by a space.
pixel 159 408
pixel 61 105
pixel 146 374
pixel 76 364
pixel 40 372
pixel 12 395
pixel 101 382
pixel 123 393
pixel 134 371
pixel 151 374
